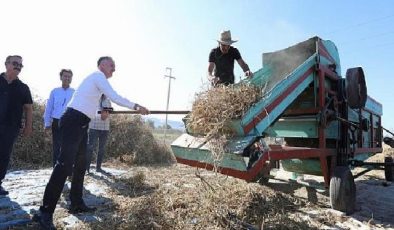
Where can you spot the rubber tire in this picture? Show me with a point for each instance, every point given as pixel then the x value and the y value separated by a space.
pixel 343 190
pixel 388 170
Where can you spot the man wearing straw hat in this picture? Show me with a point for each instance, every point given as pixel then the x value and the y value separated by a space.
pixel 221 61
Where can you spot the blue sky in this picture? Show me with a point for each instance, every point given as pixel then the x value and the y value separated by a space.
pixel 146 36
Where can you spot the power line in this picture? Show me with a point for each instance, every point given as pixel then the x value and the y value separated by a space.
pixel 361 24
pixel 366 38
pixel 364 48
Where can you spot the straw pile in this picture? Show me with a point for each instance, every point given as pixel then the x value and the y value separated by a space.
pixel 174 198
pixel 215 108
pixel 34 151
pixel 130 138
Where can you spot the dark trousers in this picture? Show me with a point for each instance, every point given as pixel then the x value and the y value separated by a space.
pixel 8 135
pixel 56 140
pixel 96 135
pixel 71 161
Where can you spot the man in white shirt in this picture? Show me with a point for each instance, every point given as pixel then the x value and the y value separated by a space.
pixel 74 125
pixel 55 107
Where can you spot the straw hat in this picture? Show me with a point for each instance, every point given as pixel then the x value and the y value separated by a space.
pixel 225 38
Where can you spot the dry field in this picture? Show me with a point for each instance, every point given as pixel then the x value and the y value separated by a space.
pixel 149 195
pixel 181 197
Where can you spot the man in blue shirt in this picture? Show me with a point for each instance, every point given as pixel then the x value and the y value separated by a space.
pixel 15 99
pixel 55 107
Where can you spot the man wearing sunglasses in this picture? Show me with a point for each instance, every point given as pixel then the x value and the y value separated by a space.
pixel 221 61
pixel 15 99
pixel 55 107
pixel 74 125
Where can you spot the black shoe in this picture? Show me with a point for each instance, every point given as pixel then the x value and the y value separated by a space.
pixel 102 171
pixel 3 192
pixel 45 220
pixel 74 209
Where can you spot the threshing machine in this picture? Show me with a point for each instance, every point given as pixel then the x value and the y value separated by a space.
pixel 328 122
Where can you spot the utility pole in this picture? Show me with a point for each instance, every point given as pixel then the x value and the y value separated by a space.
pixel 170 77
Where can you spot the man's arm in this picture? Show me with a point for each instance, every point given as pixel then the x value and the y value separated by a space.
pixel 245 67
pixel 211 77
pixel 48 111
pixel 28 129
pixel 110 93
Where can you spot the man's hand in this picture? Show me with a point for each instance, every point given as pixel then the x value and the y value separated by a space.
pixel 245 68
pixel 249 74
pixel 28 124
pixel 47 130
pixel 104 114
pixel 27 131
pixel 214 80
pixel 142 110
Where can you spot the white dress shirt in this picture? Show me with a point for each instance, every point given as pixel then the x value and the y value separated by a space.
pixel 88 94
pixel 56 104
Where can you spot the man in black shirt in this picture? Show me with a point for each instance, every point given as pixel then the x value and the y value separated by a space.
pixel 15 98
pixel 221 61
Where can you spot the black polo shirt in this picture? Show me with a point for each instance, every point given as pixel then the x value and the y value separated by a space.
pixel 12 98
pixel 224 64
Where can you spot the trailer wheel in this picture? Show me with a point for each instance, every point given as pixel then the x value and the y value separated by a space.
pixel 388 170
pixel 343 190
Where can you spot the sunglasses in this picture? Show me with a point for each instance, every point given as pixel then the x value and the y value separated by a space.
pixel 17 64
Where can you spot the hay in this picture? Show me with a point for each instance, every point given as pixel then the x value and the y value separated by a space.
pixel 179 200
pixel 213 111
pixel 35 151
pixel 130 138
pixel 130 135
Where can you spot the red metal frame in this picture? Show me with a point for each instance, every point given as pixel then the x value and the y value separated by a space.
pixel 276 153
pixel 321 101
pixel 245 175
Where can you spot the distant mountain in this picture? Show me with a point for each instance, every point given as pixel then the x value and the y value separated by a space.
pixel 161 122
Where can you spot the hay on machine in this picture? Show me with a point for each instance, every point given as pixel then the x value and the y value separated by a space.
pixel 215 108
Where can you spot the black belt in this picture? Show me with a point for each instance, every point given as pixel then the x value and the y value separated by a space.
pixel 83 116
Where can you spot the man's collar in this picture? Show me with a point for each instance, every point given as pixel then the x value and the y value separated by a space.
pixel 5 78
